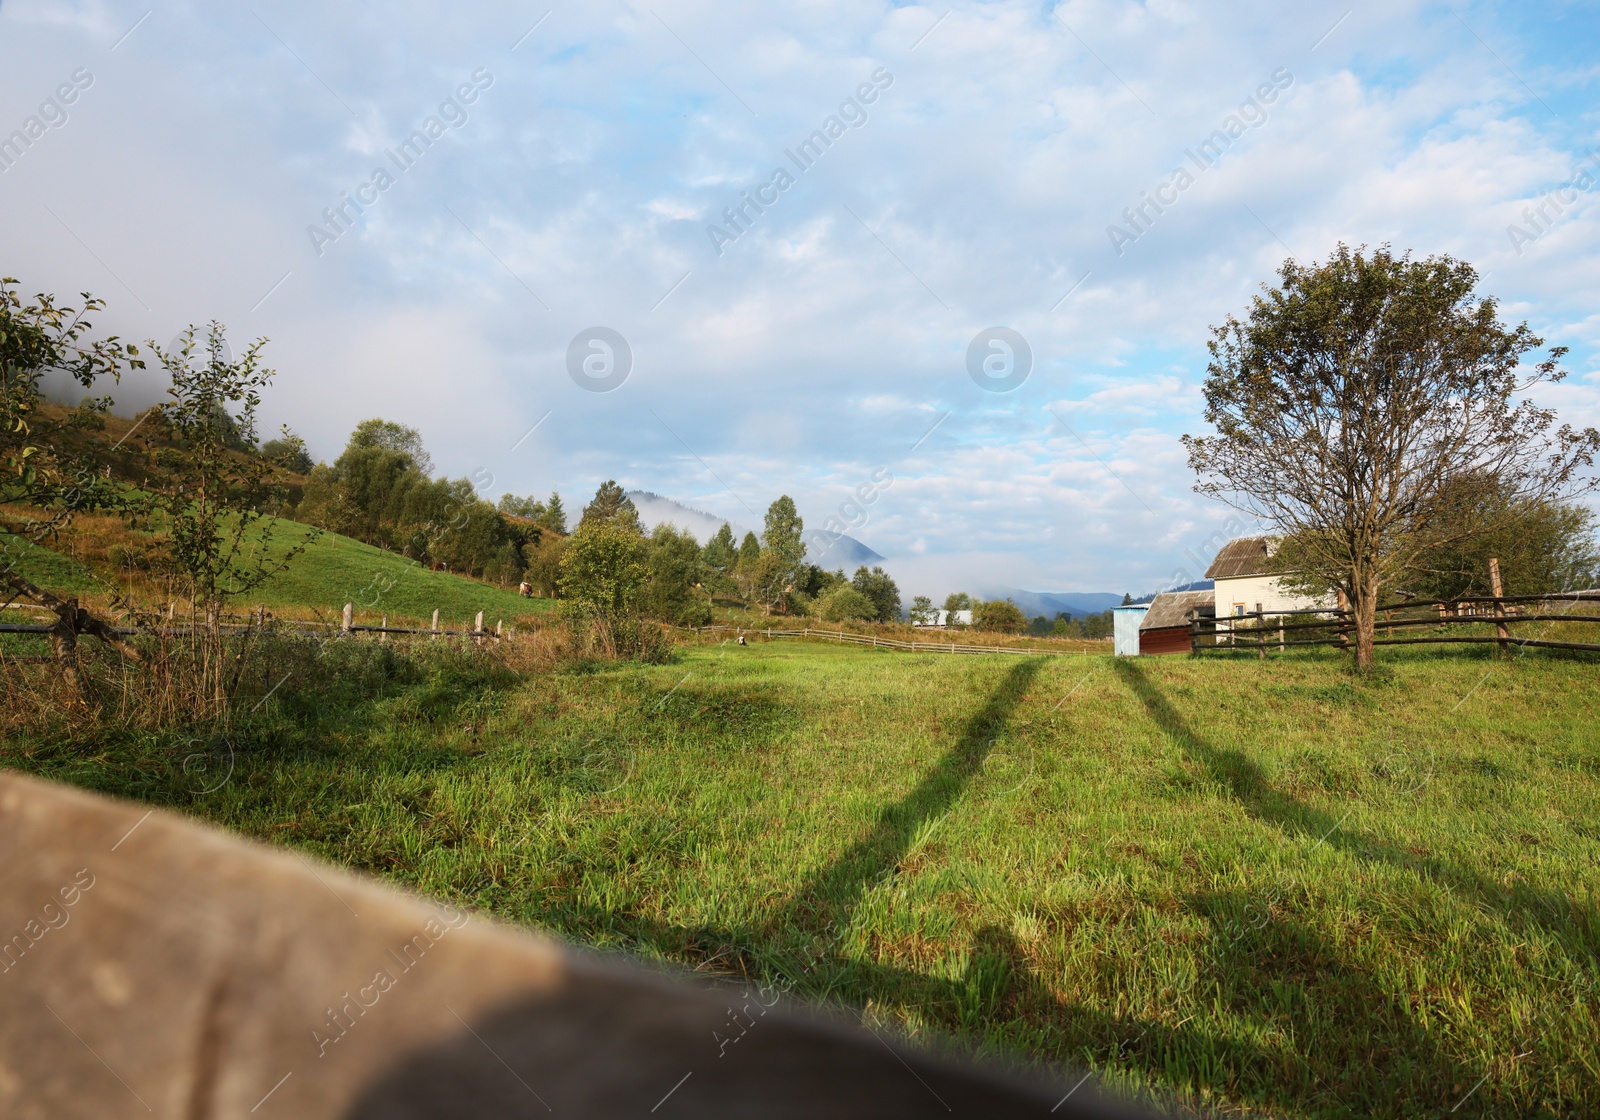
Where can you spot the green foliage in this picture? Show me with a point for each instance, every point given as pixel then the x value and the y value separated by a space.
pixel 603 565
pixel 555 517
pixel 880 590
pixel 720 553
pixel 611 505
pixel 212 491
pixel 749 550
pixel 958 601
pixel 673 578
pixel 1355 401
pixel 922 611
pixel 288 451
pixel 782 535
pixel 1543 547
pixel 548 514
pixel 844 603
pixel 389 436
pixel 377 493
pixel 35 465
pixel 1000 615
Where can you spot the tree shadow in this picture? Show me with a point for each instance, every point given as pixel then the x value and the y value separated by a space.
pixel 1251 788
pixel 835 891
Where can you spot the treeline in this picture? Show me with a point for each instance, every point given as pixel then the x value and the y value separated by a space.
pixel 381 491
pixel 612 566
pixel 1002 616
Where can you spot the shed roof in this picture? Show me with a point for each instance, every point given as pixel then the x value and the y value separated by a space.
pixel 1243 556
pixel 1173 608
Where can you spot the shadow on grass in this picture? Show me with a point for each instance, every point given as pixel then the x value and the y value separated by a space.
pixel 834 892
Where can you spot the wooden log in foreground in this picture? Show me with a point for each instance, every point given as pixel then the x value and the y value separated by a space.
pixel 152 965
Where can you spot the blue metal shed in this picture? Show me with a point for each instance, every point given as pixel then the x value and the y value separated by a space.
pixel 1125 628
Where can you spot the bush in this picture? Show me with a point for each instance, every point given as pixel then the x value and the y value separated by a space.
pixel 844 603
pixel 1000 615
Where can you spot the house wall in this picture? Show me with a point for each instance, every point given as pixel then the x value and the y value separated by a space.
pixel 1266 590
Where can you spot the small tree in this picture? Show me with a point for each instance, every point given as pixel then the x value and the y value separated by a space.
pixel 1355 398
pixel 922 611
pixel 603 566
pixel 555 517
pixel 211 492
pixel 958 601
pixel 1000 615
pixel 844 603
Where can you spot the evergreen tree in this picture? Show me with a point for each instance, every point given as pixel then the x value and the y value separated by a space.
pixel 720 551
pixel 555 517
pixel 749 550
pixel 611 505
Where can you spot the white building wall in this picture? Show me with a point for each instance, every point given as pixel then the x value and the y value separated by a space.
pixel 1242 594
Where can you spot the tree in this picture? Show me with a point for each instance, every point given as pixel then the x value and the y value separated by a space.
pixel 880 590
pixel 36 466
pixel 1354 397
pixel 288 451
pixel 782 534
pixel 673 579
pixel 610 504
pixel 530 508
pixel 764 579
pixel 720 553
pixel 394 437
pixel 212 493
pixel 844 603
pixel 998 614
pixel 603 565
pixel 555 517
pixel 749 550
pixel 922 612
pixel 1542 548
pixel 958 601
pixel 1127 598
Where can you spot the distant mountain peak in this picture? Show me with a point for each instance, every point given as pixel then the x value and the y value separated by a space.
pixel 824 549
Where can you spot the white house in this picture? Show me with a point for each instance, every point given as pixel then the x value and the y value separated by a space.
pixel 1243 583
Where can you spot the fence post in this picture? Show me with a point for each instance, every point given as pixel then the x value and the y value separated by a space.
pixel 435 635
pixel 383 634
pixel 1500 628
pixel 477 625
pixel 497 623
pixel 349 618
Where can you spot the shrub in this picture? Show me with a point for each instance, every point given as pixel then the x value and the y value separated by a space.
pixel 844 603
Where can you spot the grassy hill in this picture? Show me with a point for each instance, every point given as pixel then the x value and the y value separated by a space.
pixel 332 571
pixel 1260 886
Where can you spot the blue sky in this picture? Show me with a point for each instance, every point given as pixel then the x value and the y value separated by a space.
pixel 813 354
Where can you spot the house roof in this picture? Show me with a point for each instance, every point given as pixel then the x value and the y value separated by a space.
pixel 1243 556
pixel 1173 608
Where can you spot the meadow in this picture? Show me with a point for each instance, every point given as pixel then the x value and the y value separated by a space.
pixel 1259 887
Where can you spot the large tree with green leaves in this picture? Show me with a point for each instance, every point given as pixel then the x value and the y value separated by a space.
pixel 1355 396
pixel 782 533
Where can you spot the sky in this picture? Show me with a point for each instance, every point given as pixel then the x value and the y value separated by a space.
pixel 514 228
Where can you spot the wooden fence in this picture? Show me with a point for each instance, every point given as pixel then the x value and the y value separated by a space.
pixel 1264 630
pixel 258 620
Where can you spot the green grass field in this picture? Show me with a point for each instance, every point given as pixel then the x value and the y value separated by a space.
pixel 1259 886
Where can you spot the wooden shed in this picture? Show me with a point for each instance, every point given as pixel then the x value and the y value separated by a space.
pixel 1165 627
